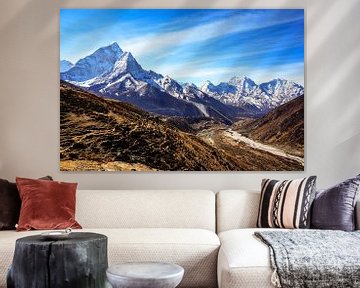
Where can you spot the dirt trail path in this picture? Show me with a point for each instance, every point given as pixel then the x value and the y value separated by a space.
pixel 257 145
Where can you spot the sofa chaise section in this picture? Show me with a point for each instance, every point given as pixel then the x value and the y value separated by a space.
pixel 244 260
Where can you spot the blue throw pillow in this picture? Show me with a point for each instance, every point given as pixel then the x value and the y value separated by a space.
pixel 334 208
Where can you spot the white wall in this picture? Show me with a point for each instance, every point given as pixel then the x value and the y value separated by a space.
pixel 29 93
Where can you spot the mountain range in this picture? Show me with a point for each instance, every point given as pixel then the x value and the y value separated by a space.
pixel 242 91
pixel 114 73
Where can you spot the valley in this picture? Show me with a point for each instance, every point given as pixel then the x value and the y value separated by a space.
pixel 107 135
pixel 102 134
pixel 260 146
pixel 250 154
pixel 226 138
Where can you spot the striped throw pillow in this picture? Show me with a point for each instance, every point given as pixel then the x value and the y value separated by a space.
pixel 286 204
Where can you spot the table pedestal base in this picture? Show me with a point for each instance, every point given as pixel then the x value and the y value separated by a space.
pixel 79 261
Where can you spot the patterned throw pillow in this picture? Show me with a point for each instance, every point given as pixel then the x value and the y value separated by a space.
pixel 286 204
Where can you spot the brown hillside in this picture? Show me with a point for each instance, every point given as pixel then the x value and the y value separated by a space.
pixel 104 134
pixel 282 127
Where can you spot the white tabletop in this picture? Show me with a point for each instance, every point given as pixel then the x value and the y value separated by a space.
pixel 146 270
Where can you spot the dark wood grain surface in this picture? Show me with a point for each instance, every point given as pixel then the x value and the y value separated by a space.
pixel 80 261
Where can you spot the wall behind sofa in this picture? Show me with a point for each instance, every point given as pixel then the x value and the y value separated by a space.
pixel 29 106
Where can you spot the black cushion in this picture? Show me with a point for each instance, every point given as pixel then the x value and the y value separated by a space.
pixel 10 204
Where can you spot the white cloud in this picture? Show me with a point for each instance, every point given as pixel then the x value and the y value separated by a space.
pixel 149 43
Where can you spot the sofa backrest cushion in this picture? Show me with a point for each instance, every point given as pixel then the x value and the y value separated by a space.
pixel 236 209
pixel 146 209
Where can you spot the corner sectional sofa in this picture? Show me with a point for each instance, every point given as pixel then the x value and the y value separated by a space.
pixel 177 226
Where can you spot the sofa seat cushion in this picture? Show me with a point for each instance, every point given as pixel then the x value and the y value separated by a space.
pixel 194 249
pixel 244 261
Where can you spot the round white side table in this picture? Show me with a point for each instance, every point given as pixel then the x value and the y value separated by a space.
pixel 145 275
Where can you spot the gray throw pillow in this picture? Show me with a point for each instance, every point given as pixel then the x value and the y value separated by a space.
pixel 334 208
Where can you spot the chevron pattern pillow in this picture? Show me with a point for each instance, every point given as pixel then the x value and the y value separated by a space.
pixel 286 204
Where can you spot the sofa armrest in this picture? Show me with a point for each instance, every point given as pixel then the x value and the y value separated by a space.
pixel 357 215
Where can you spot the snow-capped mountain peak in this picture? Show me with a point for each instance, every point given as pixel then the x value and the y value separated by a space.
pixel 100 62
pixel 170 86
pixel 207 83
pixel 212 89
pixel 275 83
pixel 65 65
pixel 116 73
pixel 190 85
pixel 115 47
pixel 279 86
pixel 110 52
pixel 127 63
pixel 208 87
pixel 242 91
pixel 167 79
pixel 243 83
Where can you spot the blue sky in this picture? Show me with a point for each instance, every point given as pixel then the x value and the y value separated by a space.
pixel 193 45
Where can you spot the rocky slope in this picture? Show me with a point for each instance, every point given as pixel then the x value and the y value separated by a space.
pixel 282 127
pixel 103 134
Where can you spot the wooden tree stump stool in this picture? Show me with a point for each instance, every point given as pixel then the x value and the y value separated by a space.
pixel 79 261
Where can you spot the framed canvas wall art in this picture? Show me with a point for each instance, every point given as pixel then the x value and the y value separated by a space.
pixel 182 89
